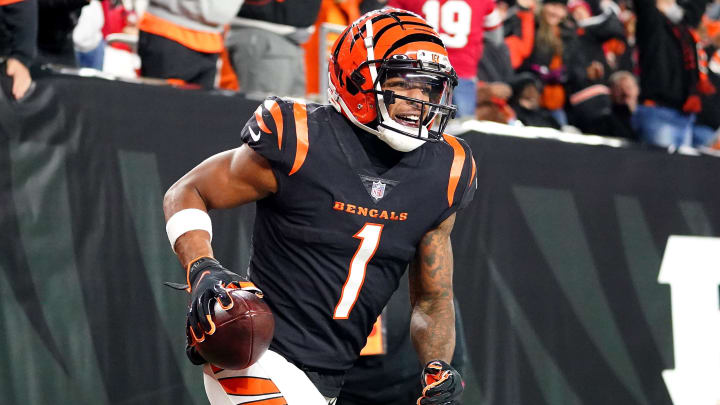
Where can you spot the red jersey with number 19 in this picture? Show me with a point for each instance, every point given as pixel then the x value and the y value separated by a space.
pixel 460 23
pixel 330 246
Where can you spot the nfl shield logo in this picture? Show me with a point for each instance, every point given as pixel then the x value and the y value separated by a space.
pixel 378 190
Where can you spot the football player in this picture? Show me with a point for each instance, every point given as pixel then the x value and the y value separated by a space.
pixel 348 195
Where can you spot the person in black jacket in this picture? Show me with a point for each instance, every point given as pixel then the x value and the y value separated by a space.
pixel 671 83
pixel 624 91
pixel 525 101
pixel 56 21
pixel 18 32
pixel 589 106
pixel 549 58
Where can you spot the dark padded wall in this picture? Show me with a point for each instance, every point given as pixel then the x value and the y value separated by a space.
pixel 556 259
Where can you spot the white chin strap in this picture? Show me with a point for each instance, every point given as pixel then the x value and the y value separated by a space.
pixel 400 142
pixel 388 131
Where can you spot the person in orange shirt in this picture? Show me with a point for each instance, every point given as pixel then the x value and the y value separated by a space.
pixel 340 12
pixel 182 40
pixel 18 32
pixel 549 59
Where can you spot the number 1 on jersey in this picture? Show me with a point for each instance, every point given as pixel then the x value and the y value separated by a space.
pixel 369 237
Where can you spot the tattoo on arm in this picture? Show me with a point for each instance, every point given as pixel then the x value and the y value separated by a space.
pixel 433 319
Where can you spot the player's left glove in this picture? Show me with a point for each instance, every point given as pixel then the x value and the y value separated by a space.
pixel 193 355
pixel 442 384
pixel 208 282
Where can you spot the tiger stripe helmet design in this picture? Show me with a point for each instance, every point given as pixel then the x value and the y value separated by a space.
pixel 389 43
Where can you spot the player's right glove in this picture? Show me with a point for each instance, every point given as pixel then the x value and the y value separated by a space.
pixel 208 281
pixel 442 384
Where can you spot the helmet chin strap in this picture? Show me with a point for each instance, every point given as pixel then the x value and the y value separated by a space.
pixel 403 143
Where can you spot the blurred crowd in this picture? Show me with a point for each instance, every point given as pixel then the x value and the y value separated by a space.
pixel 644 70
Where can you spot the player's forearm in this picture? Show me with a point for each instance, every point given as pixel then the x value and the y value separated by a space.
pixel 432 328
pixel 432 325
pixel 194 243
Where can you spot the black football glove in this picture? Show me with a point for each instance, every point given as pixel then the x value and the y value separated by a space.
pixel 193 355
pixel 208 281
pixel 442 384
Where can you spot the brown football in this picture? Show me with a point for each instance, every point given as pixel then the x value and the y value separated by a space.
pixel 242 332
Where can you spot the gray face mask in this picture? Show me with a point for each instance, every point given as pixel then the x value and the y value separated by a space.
pixel 674 13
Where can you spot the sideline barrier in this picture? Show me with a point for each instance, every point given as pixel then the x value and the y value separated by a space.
pixel 557 258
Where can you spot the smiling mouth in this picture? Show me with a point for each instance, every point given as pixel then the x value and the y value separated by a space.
pixel 408 119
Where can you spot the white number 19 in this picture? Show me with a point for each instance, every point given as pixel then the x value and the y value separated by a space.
pixel 453 18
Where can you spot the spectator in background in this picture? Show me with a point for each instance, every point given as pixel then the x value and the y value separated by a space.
pixel 589 106
pixel 496 67
pixel 708 120
pixel 525 101
pixel 88 36
pixel 519 29
pixel 56 22
pixel 494 71
pixel 121 34
pixel 18 31
pixel 462 24
pixel 670 81
pixel 548 60
pixel 117 18
pixel 339 12
pixel 182 39
pixel 264 45
pixel 624 92
pixel 621 53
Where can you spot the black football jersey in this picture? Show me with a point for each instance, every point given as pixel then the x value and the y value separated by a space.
pixel 331 244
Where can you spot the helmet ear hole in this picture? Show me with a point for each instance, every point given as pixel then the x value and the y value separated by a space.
pixel 351 87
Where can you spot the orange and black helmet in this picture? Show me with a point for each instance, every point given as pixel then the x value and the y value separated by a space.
pixel 389 43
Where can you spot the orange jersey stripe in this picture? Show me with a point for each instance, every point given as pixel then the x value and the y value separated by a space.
pixel 301 134
pixel 6 2
pixel 456 168
pixel 243 385
pixel 201 41
pixel 274 109
pixel 472 174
